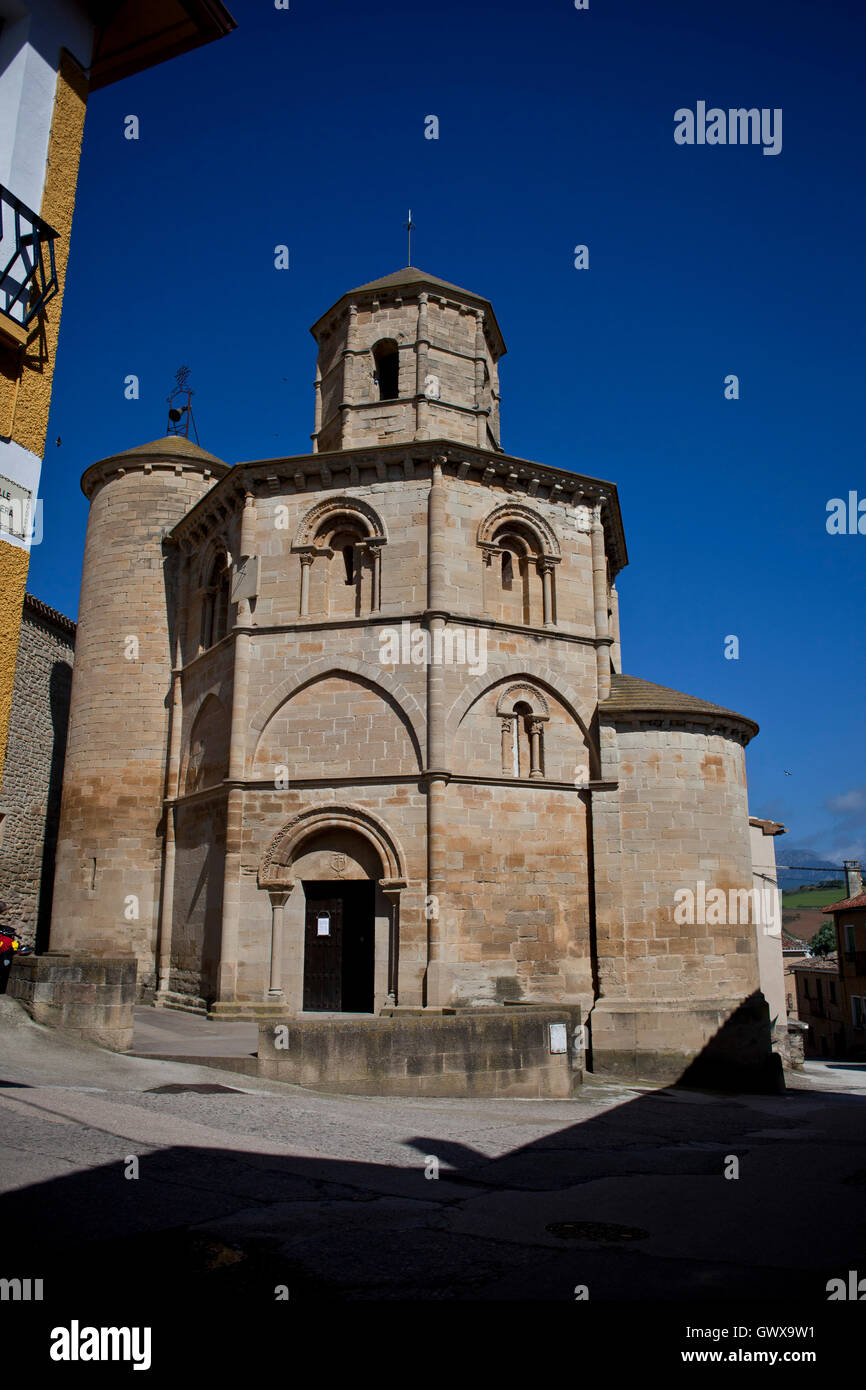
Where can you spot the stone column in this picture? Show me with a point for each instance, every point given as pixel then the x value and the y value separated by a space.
pixel 392 896
pixel 422 346
pixel 348 376
pixel 606 830
pixel 599 594
pixel 163 979
pixel 168 863
pixel 616 650
pixel 307 558
pixel 228 967
pixel 487 556
pixel 278 899
pixel 546 567
pixel 438 978
pixel 535 722
pixel 317 425
pixel 508 745
pixel 480 363
pixel 172 787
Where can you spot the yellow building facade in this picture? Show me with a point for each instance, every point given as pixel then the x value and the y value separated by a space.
pixel 53 53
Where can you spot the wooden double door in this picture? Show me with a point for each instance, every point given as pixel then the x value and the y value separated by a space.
pixel 339 941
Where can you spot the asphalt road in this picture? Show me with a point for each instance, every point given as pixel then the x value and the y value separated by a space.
pixel 250 1187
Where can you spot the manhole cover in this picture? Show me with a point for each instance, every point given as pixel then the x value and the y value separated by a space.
pixel 204 1088
pixel 595 1230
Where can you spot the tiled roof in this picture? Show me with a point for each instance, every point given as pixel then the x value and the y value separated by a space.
pixel 855 902
pixel 410 275
pixel 792 943
pixel 829 964
pixel 413 278
pixel 769 827
pixel 632 695
pixel 171 446
pixel 50 615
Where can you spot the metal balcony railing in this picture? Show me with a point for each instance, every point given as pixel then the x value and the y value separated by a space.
pixel 28 275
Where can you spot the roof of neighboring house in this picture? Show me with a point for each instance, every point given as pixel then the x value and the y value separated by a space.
pixel 846 903
pixel 769 827
pixel 132 35
pixel 792 943
pixel 633 695
pixel 828 964
pixel 50 615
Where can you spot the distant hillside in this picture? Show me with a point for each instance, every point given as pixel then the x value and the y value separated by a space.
pixel 805 877
pixel 801 908
pixel 813 897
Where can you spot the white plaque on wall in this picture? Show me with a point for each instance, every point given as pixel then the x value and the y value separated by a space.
pixel 558 1037
pixel 16 509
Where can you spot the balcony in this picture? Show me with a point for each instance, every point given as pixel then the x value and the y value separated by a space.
pixel 28 275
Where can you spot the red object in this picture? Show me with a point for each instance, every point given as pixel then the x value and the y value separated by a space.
pixel 7 942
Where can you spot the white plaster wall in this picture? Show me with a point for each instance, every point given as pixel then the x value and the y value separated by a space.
pixel 770 963
pixel 31 38
pixel 23 468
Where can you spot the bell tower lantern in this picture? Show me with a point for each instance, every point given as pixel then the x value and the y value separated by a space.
pixel 407 357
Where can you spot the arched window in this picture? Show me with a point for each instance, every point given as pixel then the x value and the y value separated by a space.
pixel 349 563
pixel 520 739
pixel 342 540
pixel 386 356
pixel 215 602
pixel 523 720
pixel 518 556
pixel 339 548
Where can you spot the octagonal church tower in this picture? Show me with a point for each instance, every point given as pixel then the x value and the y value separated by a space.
pixel 392 760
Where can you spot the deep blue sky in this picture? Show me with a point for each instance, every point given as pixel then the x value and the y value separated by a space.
pixel 306 127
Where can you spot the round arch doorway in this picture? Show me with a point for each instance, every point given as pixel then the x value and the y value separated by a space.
pixel 335 876
pixel 339 946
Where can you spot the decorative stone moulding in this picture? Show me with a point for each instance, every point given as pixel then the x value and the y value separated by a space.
pixel 522 691
pixel 275 868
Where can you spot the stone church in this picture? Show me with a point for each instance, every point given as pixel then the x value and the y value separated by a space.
pixel 350 732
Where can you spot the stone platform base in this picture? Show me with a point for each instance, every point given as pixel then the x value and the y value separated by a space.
pixel 719 1045
pixel 484 1052
pixel 89 996
pixel 246 1013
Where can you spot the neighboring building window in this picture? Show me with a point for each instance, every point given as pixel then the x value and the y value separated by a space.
pixel 806 986
pixel 858 1010
pixel 850 950
pixel 386 356
pixel 832 989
